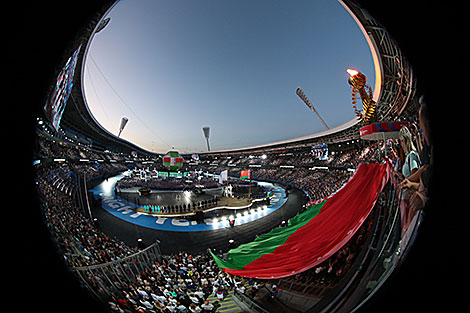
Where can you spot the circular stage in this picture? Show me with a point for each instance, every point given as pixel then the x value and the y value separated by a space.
pixel 128 206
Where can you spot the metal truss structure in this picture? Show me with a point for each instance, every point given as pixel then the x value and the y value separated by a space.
pixel 398 88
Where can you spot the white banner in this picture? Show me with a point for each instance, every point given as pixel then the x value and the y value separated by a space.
pixel 223 176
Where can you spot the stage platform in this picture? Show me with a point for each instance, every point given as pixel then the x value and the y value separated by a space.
pixel 198 241
pixel 222 204
pixel 154 202
pixel 128 210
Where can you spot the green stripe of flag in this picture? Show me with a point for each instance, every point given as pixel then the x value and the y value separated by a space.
pixel 246 253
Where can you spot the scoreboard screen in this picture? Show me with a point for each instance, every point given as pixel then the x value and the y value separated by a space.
pixel 320 152
pixel 55 105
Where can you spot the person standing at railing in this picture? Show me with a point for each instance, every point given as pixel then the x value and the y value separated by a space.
pixel 419 181
pixel 412 162
pixel 273 293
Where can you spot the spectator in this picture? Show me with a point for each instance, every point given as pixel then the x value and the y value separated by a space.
pixel 194 299
pixel 146 303
pixel 180 307
pixel 419 181
pixel 200 294
pixel 194 308
pixel 273 293
pixel 411 162
pixel 207 307
pixel 142 293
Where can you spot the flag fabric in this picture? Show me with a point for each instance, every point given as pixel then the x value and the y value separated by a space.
pixel 313 236
pixel 223 176
pixel 245 174
pixel 173 161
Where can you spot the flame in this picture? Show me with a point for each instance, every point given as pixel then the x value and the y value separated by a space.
pixel 352 72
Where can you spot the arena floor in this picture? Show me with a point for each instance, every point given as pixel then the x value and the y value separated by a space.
pixel 128 208
pixel 194 242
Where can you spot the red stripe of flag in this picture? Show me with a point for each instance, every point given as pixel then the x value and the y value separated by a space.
pixel 245 173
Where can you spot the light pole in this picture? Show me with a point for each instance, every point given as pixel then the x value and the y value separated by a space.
pixel 124 121
pixel 206 131
pixel 309 104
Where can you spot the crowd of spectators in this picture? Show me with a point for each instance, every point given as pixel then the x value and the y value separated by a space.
pixel 169 183
pixel 317 183
pixel 346 155
pixel 190 283
pixel 320 184
pixel 63 179
pixel 56 148
pixel 99 162
pixel 177 283
pixel 183 282
pixel 318 178
pixel 80 242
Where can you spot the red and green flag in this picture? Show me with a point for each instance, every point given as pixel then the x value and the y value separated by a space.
pixel 312 236
pixel 173 161
pixel 245 174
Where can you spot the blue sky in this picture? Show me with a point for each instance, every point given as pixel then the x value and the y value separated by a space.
pixel 173 66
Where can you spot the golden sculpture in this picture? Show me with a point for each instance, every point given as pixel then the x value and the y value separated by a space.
pixel 357 81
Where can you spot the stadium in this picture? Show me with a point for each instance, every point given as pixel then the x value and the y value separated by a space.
pixel 318 223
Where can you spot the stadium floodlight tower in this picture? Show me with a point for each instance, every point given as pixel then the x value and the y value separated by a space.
pixel 309 104
pixel 124 121
pixel 206 131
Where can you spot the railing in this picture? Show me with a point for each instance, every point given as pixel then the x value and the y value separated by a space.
pixel 248 302
pixel 384 254
pixel 105 280
pixel 381 219
pixel 370 270
pixel 392 255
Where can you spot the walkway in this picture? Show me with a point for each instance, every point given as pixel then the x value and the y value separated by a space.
pixel 227 305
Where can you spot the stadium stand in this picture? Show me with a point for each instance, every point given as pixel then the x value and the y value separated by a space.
pixel 171 281
pixel 144 279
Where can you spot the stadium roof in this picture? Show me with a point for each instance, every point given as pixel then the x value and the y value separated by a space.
pixel 76 118
pixel 346 131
